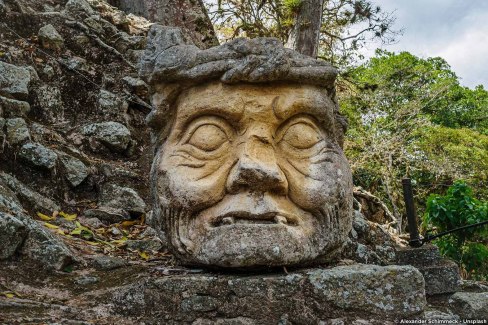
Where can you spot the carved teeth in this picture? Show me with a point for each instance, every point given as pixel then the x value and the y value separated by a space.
pixel 228 221
pixel 280 219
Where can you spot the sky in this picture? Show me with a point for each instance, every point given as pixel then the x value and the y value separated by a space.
pixel 456 30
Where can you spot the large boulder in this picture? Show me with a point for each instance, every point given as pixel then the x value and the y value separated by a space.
pixel 470 305
pixel 26 194
pixel 75 170
pixel 113 135
pixel 38 155
pixel 50 38
pixel 12 235
pixel 17 131
pixel 14 81
pixel 119 197
pixel 17 228
pixel 13 108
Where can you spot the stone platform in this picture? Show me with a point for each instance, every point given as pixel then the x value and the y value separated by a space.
pixel 158 296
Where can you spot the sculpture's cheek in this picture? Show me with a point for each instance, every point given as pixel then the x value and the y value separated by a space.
pixel 196 186
pixel 311 186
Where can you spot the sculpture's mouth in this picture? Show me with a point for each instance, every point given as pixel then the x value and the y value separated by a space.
pixel 247 218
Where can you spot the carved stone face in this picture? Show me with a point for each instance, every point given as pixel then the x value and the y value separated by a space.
pixel 251 175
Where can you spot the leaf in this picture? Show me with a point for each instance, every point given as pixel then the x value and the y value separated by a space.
pixel 61 232
pixel 119 241
pixel 76 231
pixel 50 225
pixel 93 243
pixel 69 217
pixel 129 223
pixel 44 217
pixel 144 255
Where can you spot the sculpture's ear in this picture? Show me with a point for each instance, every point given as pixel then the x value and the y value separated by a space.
pixel 162 99
pixel 341 124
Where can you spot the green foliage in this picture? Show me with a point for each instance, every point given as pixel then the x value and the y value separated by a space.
pixel 456 209
pixel 292 5
pixel 409 116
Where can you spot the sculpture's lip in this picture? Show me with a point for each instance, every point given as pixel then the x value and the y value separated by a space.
pixel 248 218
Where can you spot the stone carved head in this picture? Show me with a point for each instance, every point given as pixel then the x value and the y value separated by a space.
pixel 248 169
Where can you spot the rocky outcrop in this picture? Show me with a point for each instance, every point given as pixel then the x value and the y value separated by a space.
pixel 14 81
pixel 71 121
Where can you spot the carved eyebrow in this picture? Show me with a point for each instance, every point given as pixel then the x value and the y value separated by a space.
pixel 229 110
pixel 322 108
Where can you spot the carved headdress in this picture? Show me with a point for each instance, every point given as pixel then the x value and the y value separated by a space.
pixel 171 63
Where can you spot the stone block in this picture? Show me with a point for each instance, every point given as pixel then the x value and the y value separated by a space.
pixel 441 278
pixel 303 297
pixel 470 305
pixel 418 256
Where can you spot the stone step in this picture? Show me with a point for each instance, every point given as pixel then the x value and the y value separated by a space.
pixel 419 256
pixel 344 292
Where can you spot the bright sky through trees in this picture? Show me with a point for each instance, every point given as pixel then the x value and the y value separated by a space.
pixel 456 30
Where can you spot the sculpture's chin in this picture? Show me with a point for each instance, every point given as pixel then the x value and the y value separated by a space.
pixel 248 245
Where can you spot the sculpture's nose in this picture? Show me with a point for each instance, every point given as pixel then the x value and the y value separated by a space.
pixel 257 168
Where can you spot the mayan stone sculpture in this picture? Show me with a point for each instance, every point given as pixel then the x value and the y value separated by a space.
pixel 248 169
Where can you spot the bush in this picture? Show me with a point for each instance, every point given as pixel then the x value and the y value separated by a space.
pixel 456 209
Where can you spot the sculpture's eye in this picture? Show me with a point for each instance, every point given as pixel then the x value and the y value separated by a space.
pixel 208 137
pixel 301 136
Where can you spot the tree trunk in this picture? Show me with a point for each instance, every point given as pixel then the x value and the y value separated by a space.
pixel 304 37
pixel 190 15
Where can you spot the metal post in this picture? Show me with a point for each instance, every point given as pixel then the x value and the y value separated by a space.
pixel 413 230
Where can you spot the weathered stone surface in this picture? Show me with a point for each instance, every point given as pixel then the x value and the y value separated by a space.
pixel 439 317
pixel 371 288
pixel 9 203
pixel 14 81
pixel 75 170
pixel 38 243
pixel 50 38
pixel 86 280
pixel 77 63
pixel 441 278
pixel 224 204
pixel 77 7
pixel 45 248
pixel 119 197
pixel 111 105
pixel 38 155
pixel 12 234
pixel 13 108
pixel 17 131
pixel 146 245
pixel 358 291
pixel 108 214
pixel 113 135
pixel 420 256
pixel 259 181
pixel 107 263
pixel 470 305
pixel 135 84
pixel 441 275
pixel 168 58
pixel 50 102
pixel 34 199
